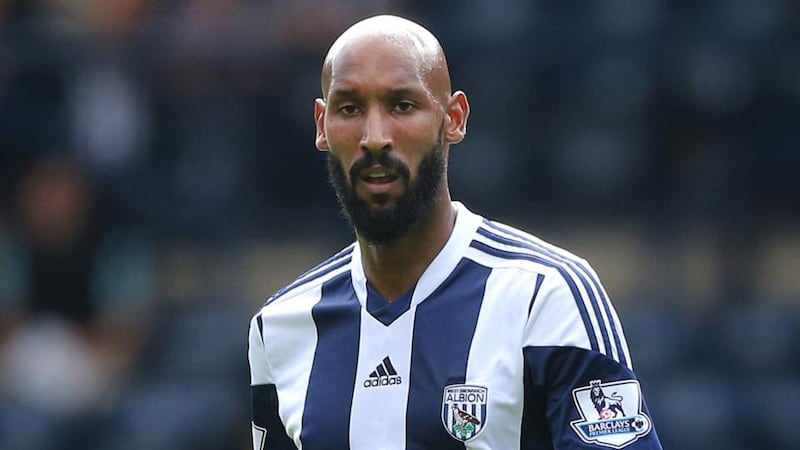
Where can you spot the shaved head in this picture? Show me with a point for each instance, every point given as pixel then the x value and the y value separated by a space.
pixel 387 118
pixel 419 44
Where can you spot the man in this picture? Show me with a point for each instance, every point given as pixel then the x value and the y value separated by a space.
pixel 437 329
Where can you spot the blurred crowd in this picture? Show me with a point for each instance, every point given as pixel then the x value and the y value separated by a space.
pixel 158 180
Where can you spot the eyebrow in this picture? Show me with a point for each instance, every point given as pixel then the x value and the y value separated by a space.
pixel 342 93
pixel 392 93
pixel 403 92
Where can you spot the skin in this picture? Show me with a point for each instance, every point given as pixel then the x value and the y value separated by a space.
pixel 386 88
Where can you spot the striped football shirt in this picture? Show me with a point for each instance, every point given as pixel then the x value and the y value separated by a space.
pixel 506 342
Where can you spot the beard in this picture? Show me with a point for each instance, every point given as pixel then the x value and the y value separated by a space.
pixel 385 224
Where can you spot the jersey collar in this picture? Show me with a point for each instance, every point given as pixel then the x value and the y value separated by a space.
pixel 440 268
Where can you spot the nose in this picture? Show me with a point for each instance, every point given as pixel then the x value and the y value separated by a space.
pixel 377 131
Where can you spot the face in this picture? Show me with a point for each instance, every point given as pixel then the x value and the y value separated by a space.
pixel 383 224
pixel 385 131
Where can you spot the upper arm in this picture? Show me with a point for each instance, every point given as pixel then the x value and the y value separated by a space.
pixel 268 429
pixel 574 344
pixel 256 354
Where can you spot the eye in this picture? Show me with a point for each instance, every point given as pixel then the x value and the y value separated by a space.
pixel 404 106
pixel 349 110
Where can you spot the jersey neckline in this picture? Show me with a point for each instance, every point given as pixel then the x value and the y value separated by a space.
pixel 439 269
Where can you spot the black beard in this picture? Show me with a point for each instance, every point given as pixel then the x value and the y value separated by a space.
pixel 384 225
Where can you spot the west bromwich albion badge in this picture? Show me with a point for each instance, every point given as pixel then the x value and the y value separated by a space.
pixel 464 410
pixel 611 413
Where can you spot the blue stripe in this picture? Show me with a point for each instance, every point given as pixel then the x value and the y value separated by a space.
pixel 580 268
pixel 570 282
pixel 444 326
pixel 326 417
pixel 575 368
pixel 387 312
pixel 260 323
pixel 311 275
pixel 264 401
pixel 340 254
pixel 539 280
pixel 388 363
pixel 592 299
pixel 549 254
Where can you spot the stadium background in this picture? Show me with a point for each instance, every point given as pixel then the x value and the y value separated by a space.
pixel 158 180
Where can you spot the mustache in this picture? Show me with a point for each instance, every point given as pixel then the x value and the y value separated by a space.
pixel 384 159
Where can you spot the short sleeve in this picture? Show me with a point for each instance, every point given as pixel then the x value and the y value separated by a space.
pixel 259 369
pixel 268 430
pixel 580 390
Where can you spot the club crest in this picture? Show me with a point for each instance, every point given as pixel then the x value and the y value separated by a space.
pixel 464 410
pixel 611 413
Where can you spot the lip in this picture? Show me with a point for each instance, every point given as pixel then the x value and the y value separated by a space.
pixel 378 179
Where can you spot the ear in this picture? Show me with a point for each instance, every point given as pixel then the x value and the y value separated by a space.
pixel 319 119
pixel 457 115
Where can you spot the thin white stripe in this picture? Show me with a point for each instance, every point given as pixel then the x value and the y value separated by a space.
pixel 344 254
pixel 302 288
pixel 581 268
pixel 578 264
pixel 617 323
pixel 572 272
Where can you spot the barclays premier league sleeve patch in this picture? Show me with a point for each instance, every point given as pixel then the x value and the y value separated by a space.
pixel 611 413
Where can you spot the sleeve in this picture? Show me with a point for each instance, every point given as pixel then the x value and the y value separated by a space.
pixel 268 429
pixel 579 386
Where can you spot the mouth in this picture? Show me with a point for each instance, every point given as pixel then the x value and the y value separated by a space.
pixel 378 174
pixel 379 181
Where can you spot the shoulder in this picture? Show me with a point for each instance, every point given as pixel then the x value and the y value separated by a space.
pixel 504 243
pixel 572 308
pixel 568 285
pixel 312 278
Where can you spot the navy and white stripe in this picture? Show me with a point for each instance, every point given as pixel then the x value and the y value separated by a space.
pixel 337 318
pixel 336 261
pixel 497 309
pixel 587 276
pixel 600 321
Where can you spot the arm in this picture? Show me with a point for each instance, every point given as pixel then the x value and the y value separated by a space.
pixel 580 389
pixel 268 429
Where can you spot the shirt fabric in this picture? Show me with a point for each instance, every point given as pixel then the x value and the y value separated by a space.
pixel 505 342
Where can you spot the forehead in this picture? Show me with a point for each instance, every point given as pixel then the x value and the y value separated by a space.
pixel 385 62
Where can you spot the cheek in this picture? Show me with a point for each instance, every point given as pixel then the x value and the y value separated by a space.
pixel 417 150
pixel 342 142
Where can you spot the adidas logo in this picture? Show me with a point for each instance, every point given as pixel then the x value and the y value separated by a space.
pixel 383 375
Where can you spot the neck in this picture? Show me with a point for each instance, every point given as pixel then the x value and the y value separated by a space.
pixel 394 269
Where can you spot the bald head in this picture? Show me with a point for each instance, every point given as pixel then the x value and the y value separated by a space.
pixel 392 33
